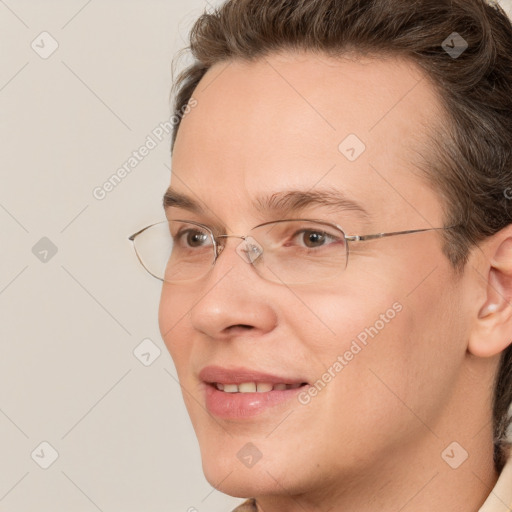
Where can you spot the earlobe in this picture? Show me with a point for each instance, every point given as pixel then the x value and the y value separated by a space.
pixel 488 309
pixel 496 293
pixel 492 331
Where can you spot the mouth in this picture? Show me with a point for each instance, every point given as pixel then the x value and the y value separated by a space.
pixel 255 387
pixel 242 393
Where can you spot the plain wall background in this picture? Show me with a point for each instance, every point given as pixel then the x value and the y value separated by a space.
pixel 69 324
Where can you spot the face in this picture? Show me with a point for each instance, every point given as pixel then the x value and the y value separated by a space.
pixel 360 345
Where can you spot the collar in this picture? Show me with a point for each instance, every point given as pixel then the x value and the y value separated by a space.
pixel 500 498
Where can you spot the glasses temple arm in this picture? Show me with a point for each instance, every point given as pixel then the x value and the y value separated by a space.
pixel 362 238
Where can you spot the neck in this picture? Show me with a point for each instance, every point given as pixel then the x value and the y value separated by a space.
pixel 414 478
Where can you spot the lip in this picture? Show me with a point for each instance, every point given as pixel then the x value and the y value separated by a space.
pixel 218 374
pixel 244 405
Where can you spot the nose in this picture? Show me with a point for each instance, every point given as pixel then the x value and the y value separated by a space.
pixel 248 249
pixel 233 298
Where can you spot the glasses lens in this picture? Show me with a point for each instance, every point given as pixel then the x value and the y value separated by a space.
pixel 176 251
pixel 300 251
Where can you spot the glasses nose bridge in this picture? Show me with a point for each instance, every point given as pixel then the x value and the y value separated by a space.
pixel 219 247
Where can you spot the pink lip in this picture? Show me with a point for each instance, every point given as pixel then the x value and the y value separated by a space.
pixel 243 405
pixel 217 374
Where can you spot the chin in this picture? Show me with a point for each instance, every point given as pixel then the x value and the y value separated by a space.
pixel 224 467
pixel 241 482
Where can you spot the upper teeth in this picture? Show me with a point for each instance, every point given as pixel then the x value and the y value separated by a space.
pixel 254 387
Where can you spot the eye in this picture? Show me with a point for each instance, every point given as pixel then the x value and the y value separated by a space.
pixel 312 238
pixel 192 238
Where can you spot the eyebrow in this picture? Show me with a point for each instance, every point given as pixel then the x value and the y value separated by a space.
pixel 279 203
pixel 293 201
pixel 175 199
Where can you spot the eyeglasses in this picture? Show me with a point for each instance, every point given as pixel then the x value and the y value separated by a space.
pixel 291 251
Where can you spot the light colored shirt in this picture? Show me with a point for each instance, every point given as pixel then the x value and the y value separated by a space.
pixel 499 500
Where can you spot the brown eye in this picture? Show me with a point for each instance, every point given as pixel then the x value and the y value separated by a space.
pixel 192 238
pixel 308 237
pixel 196 239
pixel 313 239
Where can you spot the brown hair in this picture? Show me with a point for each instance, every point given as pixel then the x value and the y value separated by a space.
pixel 469 161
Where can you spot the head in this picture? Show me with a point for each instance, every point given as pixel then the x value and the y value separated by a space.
pixel 360 98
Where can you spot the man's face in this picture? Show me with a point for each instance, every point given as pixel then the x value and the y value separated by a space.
pixel 388 319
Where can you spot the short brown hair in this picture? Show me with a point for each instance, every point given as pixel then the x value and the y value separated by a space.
pixel 469 162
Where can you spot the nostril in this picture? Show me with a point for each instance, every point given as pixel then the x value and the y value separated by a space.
pixel 244 327
pixel 237 330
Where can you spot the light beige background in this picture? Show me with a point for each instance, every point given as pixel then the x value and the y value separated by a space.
pixel 69 325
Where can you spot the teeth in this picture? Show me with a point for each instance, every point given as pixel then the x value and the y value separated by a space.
pixel 247 387
pixel 253 387
pixel 263 387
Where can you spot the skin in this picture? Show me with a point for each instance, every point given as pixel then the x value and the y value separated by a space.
pixel 373 438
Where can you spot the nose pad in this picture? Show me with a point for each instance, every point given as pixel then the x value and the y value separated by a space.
pixel 249 250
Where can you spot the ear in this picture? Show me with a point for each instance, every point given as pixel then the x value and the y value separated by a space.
pixel 492 332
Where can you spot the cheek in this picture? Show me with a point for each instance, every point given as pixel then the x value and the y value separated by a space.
pixel 173 323
pixel 377 356
pixel 332 322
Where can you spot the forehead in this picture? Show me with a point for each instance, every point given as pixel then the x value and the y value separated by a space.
pixel 306 121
